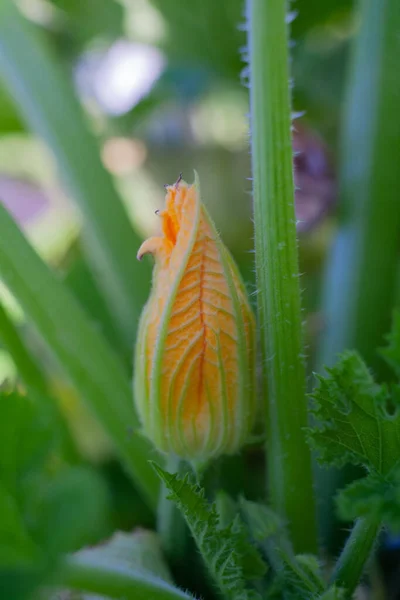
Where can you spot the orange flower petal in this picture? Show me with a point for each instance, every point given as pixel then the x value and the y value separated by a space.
pixel 194 368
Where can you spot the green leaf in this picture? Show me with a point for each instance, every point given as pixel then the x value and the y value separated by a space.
pixel 127 566
pixel 301 576
pixel 297 577
pixel 372 496
pixel 46 506
pixel 333 593
pixel 140 550
pixel 262 521
pixel 27 367
pixel 352 421
pixel 82 352
pixel 253 567
pixel 16 545
pixel 71 510
pixel 28 439
pixel 19 583
pixel 267 530
pixel 114 581
pixel 80 280
pixel 226 551
pixel 226 507
pixel 83 20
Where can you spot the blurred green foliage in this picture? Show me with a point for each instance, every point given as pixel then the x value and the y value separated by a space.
pixel 39 496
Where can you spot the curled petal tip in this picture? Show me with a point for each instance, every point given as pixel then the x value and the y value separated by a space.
pixel 177 182
pixel 145 248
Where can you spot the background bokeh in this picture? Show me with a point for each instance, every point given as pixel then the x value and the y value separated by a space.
pixel 164 90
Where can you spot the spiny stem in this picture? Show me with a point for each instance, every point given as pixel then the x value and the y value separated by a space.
pixel 355 554
pixel 279 311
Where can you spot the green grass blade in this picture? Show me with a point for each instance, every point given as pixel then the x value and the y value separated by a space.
pixel 46 99
pixel 81 350
pixel 27 368
pixel 279 310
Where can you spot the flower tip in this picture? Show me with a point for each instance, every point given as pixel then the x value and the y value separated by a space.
pixel 177 182
pixel 153 245
pixel 144 249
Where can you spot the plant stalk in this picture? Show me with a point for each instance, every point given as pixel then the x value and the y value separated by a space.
pixel 279 310
pixel 355 554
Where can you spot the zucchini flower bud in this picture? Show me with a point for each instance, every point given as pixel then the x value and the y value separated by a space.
pixel 194 365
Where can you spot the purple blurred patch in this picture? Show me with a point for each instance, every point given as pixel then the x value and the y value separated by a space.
pixel 314 179
pixel 24 200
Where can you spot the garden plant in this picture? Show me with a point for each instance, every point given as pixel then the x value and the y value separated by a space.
pixel 202 383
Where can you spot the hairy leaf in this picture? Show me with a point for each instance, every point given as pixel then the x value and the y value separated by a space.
pixel 226 551
pixel 301 576
pixel 296 577
pixel 352 421
pixel 333 593
pixel 227 508
pixel 262 521
pixel 372 495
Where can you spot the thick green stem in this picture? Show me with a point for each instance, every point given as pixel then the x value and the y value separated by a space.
pixel 362 272
pixel 77 574
pixel 355 554
pixel 46 99
pixel 279 310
